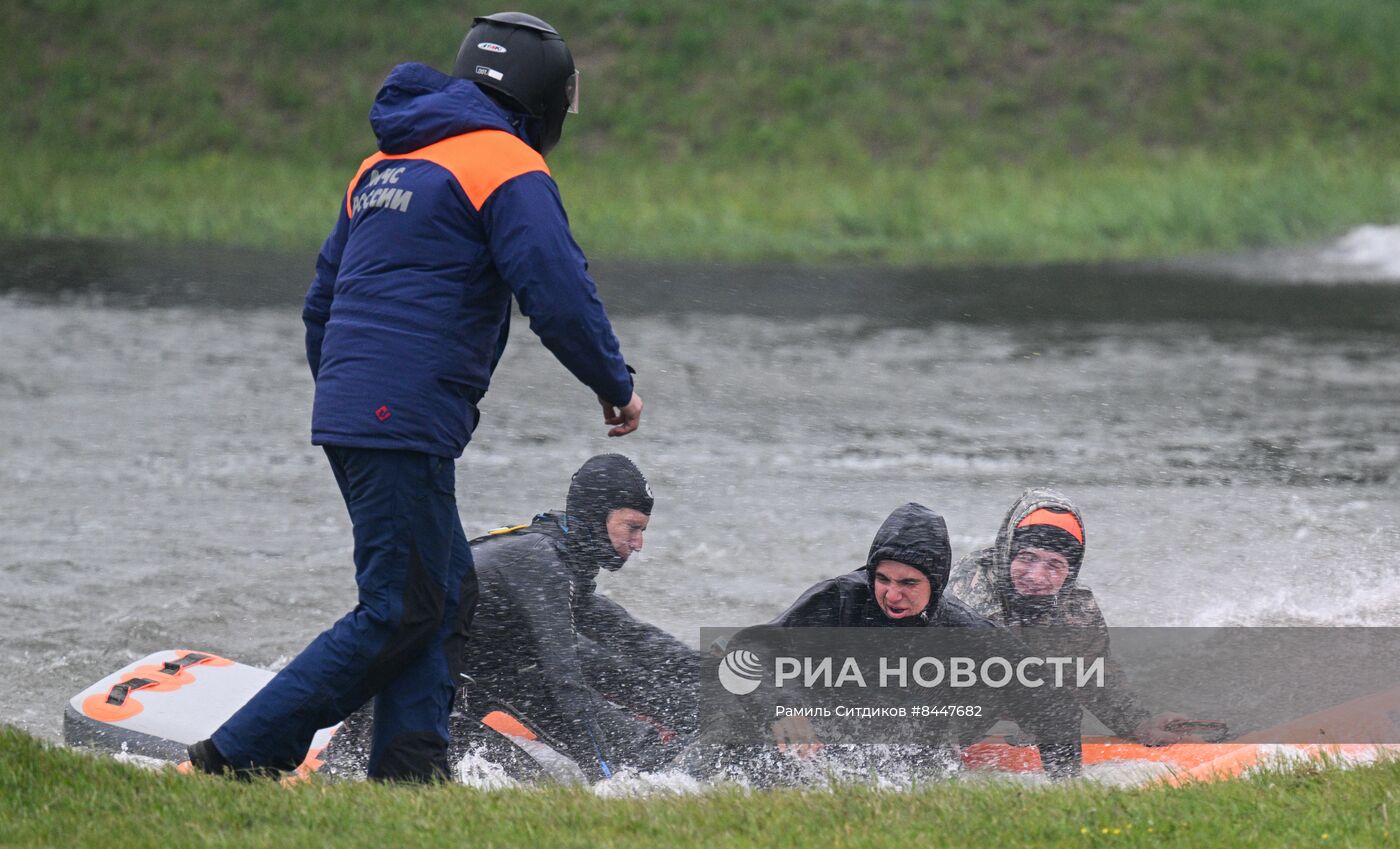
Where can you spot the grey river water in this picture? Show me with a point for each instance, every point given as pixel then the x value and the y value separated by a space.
pixel 1234 444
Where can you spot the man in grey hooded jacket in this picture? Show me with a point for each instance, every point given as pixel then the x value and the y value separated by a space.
pixel 1030 578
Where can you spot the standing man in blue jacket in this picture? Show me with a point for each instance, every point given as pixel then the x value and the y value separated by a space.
pixel 405 321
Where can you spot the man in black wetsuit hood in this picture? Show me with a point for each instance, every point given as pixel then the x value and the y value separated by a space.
pixel 602 686
pixel 901 584
pixel 576 668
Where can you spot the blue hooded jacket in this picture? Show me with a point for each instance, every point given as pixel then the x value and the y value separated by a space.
pixel 409 310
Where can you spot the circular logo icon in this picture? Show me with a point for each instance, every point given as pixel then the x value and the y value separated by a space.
pixel 740 672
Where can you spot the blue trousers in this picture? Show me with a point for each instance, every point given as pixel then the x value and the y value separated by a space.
pixel 401 645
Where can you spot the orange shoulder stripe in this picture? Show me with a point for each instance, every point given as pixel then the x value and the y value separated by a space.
pixel 480 161
pixel 483 160
pixel 1064 521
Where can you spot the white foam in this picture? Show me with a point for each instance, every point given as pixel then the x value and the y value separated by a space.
pixel 152 764
pixel 630 784
pixel 1365 603
pixel 1367 254
pixel 1370 248
pixel 476 771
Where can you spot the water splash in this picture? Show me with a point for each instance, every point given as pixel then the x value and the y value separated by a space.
pixel 475 770
pixel 1364 603
pixel 1372 249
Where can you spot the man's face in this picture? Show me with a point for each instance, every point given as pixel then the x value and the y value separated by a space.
pixel 900 589
pixel 625 529
pixel 1038 571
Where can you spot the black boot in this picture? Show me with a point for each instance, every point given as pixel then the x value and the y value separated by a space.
pixel 206 757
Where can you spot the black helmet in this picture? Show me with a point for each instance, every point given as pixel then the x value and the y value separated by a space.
pixel 525 61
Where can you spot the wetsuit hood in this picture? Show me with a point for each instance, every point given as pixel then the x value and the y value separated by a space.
pixel 1045 518
pixel 417 106
pixel 605 483
pixel 918 537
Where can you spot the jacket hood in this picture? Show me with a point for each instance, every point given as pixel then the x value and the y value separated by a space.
pixel 418 106
pixel 916 536
pixel 1030 501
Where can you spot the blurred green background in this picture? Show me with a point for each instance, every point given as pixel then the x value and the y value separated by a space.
pixel 941 131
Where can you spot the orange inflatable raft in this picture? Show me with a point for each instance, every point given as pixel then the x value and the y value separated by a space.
pixel 1375 718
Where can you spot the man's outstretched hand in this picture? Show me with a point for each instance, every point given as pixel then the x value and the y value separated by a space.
pixel 795 734
pixel 1158 730
pixel 625 418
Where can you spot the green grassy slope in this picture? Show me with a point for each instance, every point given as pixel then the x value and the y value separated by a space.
pixel 54 797
pixel 870 129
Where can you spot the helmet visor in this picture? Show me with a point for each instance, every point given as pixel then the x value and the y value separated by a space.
pixel 571 92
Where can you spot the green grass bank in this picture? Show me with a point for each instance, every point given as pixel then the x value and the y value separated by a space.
pixel 56 797
pixel 878 130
